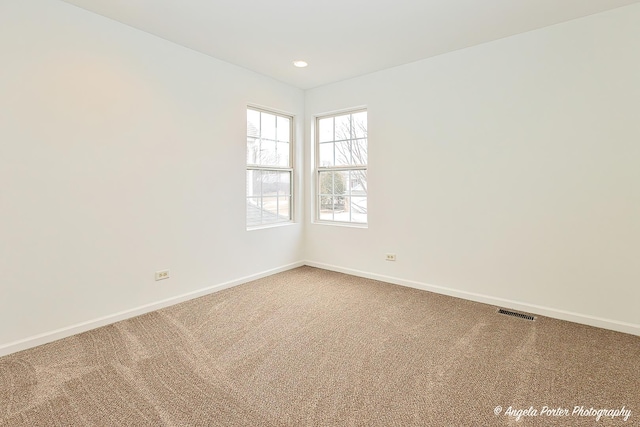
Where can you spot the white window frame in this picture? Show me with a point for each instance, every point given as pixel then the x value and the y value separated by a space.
pixel 272 168
pixel 343 168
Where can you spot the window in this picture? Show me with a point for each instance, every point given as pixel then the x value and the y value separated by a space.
pixel 341 164
pixel 269 170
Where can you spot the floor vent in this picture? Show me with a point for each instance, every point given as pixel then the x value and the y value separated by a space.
pixel 514 314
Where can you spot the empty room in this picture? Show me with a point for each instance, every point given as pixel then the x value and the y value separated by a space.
pixel 344 213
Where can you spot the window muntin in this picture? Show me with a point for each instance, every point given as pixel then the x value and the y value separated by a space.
pixel 269 168
pixel 341 165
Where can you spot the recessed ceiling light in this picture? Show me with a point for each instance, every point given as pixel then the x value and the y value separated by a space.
pixel 300 64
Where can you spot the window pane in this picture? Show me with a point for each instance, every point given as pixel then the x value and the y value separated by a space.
pixel 359 149
pixel 358 182
pixel 358 208
pixel 325 208
pixel 253 147
pixel 254 211
pixel 333 183
pixel 269 183
pixel 284 183
pixel 270 209
pixel 326 154
pixel 325 182
pixel 340 182
pixel 325 130
pixel 359 205
pixel 360 125
pixel 343 153
pixel 283 154
pixel 254 183
pixel 253 123
pixel 268 126
pixel 284 211
pixel 341 209
pixel 268 153
pixel 343 128
pixel 284 129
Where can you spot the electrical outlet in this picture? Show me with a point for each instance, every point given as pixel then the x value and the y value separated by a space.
pixel 162 274
pixel 391 257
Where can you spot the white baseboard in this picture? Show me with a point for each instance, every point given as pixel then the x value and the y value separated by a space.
pixel 629 328
pixel 57 334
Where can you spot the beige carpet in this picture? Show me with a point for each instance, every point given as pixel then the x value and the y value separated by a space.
pixel 310 347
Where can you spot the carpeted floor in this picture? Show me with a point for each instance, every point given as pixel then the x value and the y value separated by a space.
pixel 310 347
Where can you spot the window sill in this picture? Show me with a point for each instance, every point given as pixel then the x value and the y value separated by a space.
pixel 341 224
pixel 276 225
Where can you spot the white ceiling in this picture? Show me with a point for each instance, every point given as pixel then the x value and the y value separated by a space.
pixel 338 38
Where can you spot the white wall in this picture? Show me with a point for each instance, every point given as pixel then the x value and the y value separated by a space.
pixel 506 171
pixel 120 154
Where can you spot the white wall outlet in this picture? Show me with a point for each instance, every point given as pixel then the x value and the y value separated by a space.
pixel 162 274
pixel 390 257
